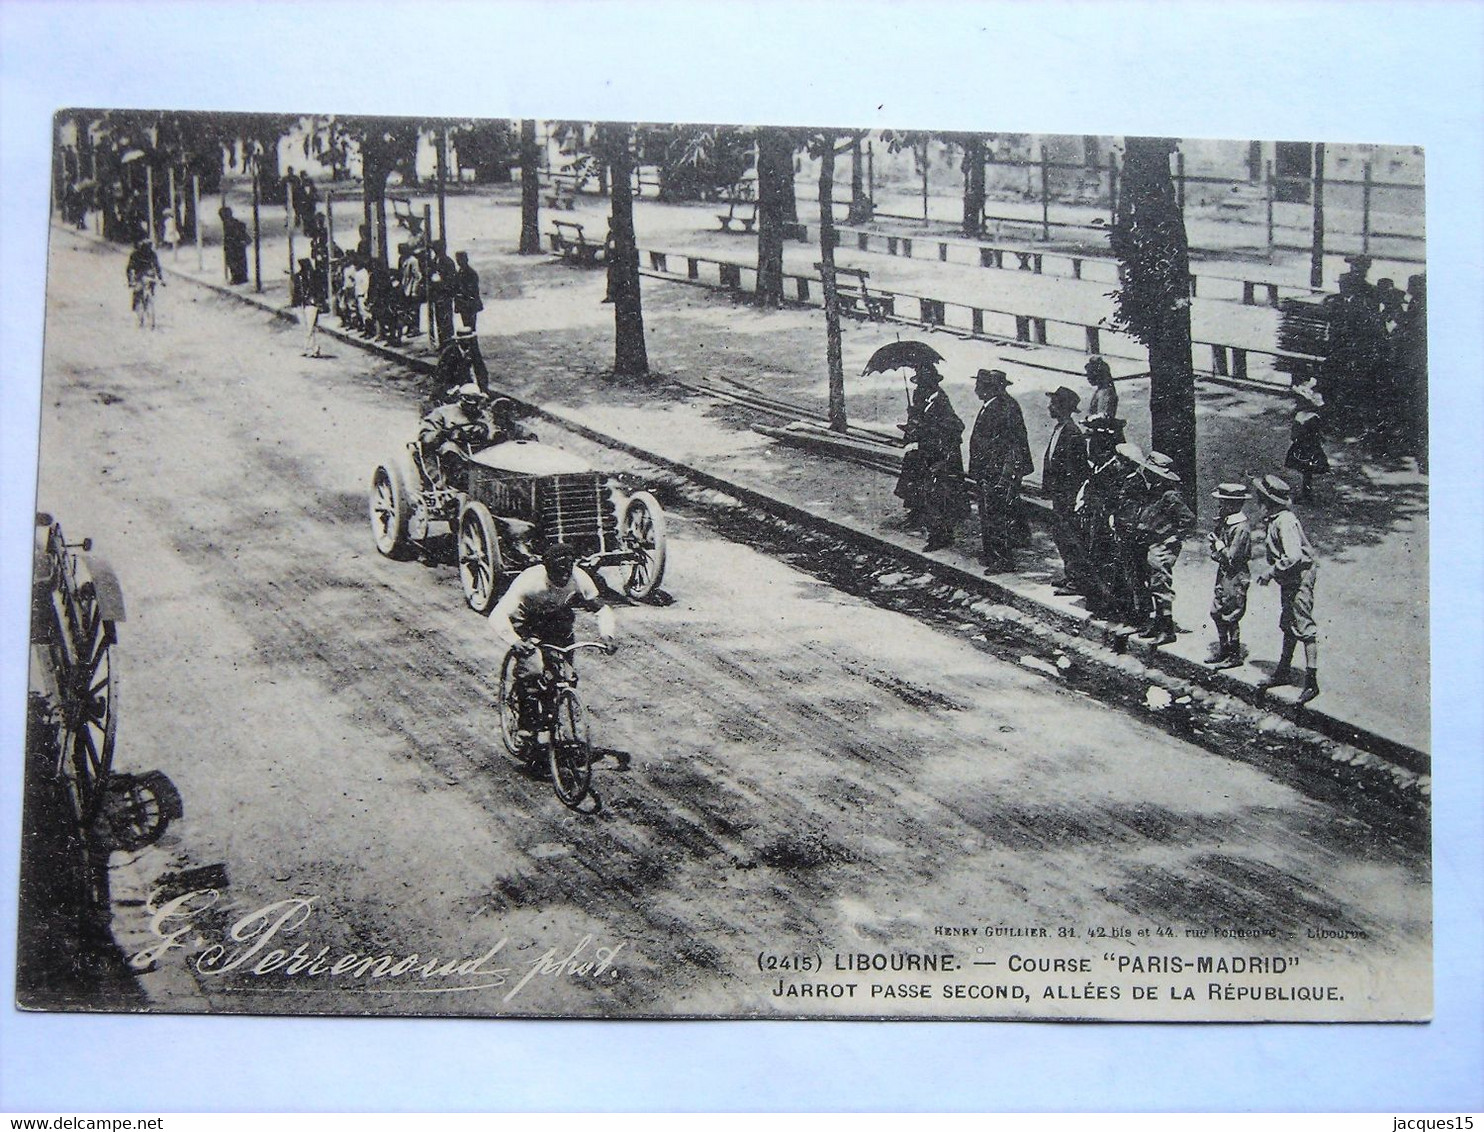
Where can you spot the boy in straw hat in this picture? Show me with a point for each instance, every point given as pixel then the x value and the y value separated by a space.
pixel 1163 523
pixel 1231 548
pixel 1292 563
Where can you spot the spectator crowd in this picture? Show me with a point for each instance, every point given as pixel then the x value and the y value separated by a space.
pixel 1120 517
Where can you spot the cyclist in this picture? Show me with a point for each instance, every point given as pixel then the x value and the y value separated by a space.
pixel 541 605
pixel 142 272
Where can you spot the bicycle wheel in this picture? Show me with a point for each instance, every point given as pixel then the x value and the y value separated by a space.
pixel 510 709
pixel 570 754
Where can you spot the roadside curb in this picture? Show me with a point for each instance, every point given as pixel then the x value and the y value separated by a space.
pixel 1100 643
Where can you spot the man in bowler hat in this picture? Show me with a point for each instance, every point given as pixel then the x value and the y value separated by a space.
pixel 999 458
pixel 931 484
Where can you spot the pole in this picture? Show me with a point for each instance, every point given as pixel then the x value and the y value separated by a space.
pixel 1180 182
pixel 149 202
pixel 1045 198
pixel 257 235
pixel 174 215
pixel 1316 251
pixel 428 275
pixel 1268 178
pixel 1365 210
pixel 1112 189
pixel 288 226
pixel 196 212
pixel 442 178
pixel 330 248
pixel 924 182
pixel 871 173
pixel 225 274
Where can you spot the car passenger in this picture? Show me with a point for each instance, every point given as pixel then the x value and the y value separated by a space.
pixel 507 426
pixel 541 605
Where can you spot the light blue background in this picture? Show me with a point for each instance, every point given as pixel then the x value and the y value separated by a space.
pixel 1404 73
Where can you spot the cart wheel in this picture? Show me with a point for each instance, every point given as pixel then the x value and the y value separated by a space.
pixel 570 754
pixel 644 535
pixel 90 703
pixel 510 709
pixel 480 563
pixel 390 507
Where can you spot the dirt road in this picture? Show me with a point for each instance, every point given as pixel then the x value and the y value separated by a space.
pixel 794 781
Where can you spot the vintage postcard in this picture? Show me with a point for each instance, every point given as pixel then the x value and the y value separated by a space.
pixel 513 568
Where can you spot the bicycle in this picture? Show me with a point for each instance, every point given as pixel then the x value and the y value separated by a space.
pixel 143 290
pixel 556 712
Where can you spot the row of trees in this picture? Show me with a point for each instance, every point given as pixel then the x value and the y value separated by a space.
pixel 1149 238
pixel 1152 302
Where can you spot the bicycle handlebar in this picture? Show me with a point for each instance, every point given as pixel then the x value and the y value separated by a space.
pixel 568 650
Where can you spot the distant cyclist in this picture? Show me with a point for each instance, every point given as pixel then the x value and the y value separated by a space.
pixel 541 605
pixel 143 273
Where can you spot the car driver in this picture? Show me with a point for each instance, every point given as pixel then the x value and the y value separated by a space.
pixel 451 431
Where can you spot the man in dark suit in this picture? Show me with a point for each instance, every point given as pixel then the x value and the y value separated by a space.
pixel 932 467
pixel 1064 469
pixel 999 458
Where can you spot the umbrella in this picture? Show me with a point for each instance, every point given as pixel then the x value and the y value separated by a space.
pixel 894 355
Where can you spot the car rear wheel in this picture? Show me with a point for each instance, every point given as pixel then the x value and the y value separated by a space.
pixel 480 563
pixel 390 507
pixel 644 537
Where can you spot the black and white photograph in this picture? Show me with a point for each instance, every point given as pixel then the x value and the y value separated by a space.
pixel 635 556
pixel 599 569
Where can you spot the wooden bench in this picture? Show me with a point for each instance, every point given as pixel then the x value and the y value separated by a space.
pixel 560 195
pixel 568 241
pixel 744 198
pixel 404 216
pixel 856 298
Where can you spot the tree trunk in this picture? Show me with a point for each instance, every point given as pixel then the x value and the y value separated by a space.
pixel 974 185
pixel 630 358
pixel 833 360
pixel 1154 300
pixel 860 203
pixel 530 190
pixel 775 171
pixel 374 171
pixel 790 201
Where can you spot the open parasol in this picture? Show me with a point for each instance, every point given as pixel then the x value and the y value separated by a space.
pixel 895 355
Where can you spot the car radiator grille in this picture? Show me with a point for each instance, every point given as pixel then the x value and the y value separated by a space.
pixel 576 509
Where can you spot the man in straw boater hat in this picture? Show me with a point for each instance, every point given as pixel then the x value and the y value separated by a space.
pixel 1292 564
pixel 1094 511
pixel 1131 581
pixel 1063 472
pixel 1163 524
pixel 1231 548
pixel 999 458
